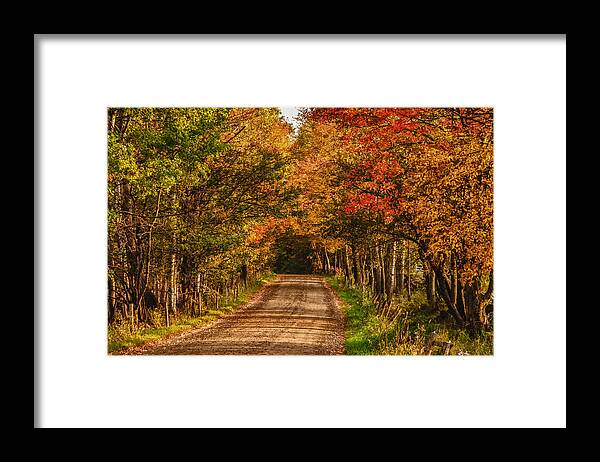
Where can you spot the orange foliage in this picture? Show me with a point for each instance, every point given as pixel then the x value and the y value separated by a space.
pixel 430 168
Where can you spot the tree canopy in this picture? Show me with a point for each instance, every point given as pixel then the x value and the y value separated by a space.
pixel 200 200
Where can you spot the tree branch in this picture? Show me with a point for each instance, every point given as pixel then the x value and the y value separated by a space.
pixel 235 134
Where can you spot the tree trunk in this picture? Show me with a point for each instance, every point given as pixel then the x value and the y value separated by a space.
pixel 132 314
pixel 409 271
pixel 347 269
pixel 381 270
pixel 453 279
pixel 199 293
pixel 364 276
pixel 355 274
pixel 372 270
pixel 430 287
pixel 485 300
pixel 391 285
pixel 111 301
pixel 402 268
pixel 173 285
pixel 166 304
pixel 244 274
pixel 444 290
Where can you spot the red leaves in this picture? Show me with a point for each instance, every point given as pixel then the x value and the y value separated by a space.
pixel 426 170
pixel 374 186
pixel 376 129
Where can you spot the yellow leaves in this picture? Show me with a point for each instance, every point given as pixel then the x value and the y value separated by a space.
pixel 449 189
pixel 257 129
pixel 446 185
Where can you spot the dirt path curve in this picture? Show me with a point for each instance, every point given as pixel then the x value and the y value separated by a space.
pixel 291 315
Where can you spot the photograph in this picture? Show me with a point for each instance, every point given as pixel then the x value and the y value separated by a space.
pixel 300 231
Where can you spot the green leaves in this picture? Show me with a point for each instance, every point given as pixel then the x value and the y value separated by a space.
pixel 192 182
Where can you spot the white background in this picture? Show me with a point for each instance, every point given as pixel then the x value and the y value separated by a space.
pixel 523 384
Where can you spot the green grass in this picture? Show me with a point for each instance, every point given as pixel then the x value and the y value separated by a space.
pixel 122 336
pixel 360 337
pixel 119 341
pixel 369 333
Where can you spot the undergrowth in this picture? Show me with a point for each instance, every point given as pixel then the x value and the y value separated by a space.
pixel 123 335
pixel 370 333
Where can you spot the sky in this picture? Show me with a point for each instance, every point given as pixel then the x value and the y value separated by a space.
pixel 289 113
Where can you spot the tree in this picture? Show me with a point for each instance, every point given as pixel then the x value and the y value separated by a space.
pixel 425 176
pixel 186 187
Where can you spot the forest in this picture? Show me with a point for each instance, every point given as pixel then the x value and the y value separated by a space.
pixel 392 206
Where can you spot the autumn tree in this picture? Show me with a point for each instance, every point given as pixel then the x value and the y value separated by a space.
pixel 422 177
pixel 203 200
pixel 185 189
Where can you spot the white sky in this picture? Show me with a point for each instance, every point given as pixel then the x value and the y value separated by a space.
pixel 289 113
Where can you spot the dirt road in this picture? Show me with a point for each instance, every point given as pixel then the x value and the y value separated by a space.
pixel 292 315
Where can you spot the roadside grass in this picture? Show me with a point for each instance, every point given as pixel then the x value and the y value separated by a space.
pixel 369 333
pixel 122 336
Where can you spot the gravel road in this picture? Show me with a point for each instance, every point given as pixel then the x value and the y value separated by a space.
pixel 291 315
